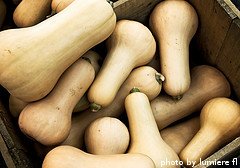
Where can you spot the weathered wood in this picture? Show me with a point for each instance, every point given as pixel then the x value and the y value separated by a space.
pixel 138 10
pixel 5 153
pixel 223 153
pixel 228 60
pixel 217 41
pixel 232 7
pixel 214 23
pixel 14 153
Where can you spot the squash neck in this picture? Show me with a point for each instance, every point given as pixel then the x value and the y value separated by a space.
pixel 142 123
pixel 202 145
pixel 170 48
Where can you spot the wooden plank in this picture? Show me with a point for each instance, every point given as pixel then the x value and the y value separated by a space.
pixel 14 152
pixel 232 7
pixel 214 23
pixel 211 32
pixel 236 3
pixel 215 29
pixel 138 10
pixel 223 153
pixel 5 154
pixel 228 60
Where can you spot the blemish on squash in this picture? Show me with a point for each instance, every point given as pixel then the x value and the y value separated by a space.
pixel 80 88
pixel 72 92
pixel 58 108
pixel 9 51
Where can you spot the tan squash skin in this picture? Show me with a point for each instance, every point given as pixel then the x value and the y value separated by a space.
pixel 94 58
pixel 178 135
pixel 3 12
pixel 207 83
pixel 48 120
pixel 83 104
pixel 29 12
pixel 174 23
pixel 131 45
pixel 67 156
pixel 29 55
pixel 59 5
pixel 16 106
pixel 142 78
pixel 106 136
pixel 145 136
pixel 220 123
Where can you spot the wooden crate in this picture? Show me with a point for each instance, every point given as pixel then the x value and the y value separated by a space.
pixel 217 43
pixel 218 37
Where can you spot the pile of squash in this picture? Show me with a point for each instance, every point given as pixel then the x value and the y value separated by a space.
pixel 73 106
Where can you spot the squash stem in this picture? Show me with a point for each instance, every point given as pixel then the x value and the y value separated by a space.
pixel 95 107
pixel 160 78
pixel 133 90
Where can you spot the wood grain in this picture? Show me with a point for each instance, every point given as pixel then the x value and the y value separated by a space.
pixel 228 60
pixel 138 10
pixel 217 41
pixel 233 7
pixel 214 23
pixel 223 153
pixel 14 152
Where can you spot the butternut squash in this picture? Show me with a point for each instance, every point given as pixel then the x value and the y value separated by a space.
pixel 48 120
pixel 174 23
pixel 207 83
pixel 83 104
pixel 145 136
pixel 94 58
pixel 145 78
pixel 29 12
pixel 129 46
pixel 3 11
pixel 59 5
pixel 29 55
pixel 220 123
pixel 67 156
pixel 105 136
pixel 16 105
pixel 178 135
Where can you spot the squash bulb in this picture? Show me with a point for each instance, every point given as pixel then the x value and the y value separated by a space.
pixel 174 23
